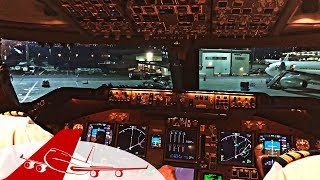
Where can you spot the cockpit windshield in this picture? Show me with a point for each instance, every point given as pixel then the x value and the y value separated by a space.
pixel 288 71
pixel 37 69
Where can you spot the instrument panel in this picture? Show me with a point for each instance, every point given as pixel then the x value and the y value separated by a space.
pixel 205 135
pixel 214 148
pixel 221 146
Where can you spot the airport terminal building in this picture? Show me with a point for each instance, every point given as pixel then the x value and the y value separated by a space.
pixel 215 62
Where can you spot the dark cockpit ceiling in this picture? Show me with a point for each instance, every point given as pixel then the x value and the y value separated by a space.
pixel 200 23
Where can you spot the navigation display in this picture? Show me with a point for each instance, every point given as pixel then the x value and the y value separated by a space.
pixel 184 173
pixel 181 144
pixel 235 148
pixel 132 139
pixel 212 176
pixel 101 133
pixel 274 145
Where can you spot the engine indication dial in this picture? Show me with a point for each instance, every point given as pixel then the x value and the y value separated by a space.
pixel 235 147
pixel 302 144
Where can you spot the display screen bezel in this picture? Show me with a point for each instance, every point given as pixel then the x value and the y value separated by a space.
pixel 290 137
pixel 185 167
pixel 114 135
pixel 233 162
pixel 196 145
pixel 161 141
pixel 146 142
pixel 217 173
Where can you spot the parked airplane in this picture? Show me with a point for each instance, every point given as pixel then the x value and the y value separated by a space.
pixel 271 61
pixel 54 158
pixel 293 74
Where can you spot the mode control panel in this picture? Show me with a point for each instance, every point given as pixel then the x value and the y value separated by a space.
pixel 187 100
pixel 153 98
pixel 243 102
pixel 197 100
pixel 119 96
pixel 142 98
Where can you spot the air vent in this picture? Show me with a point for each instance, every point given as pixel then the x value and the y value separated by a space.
pixel 246 11
pixel 235 11
pixel 222 4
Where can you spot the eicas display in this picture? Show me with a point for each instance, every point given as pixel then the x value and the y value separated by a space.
pixel 212 176
pixel 132 139
pixel 101 133
pixel 181 144
pixel 274 145
pixel 235 148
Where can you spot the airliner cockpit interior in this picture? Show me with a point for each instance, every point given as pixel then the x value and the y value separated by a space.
pixel 216 88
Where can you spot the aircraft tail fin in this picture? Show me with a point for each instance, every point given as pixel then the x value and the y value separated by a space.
pixel 35 167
